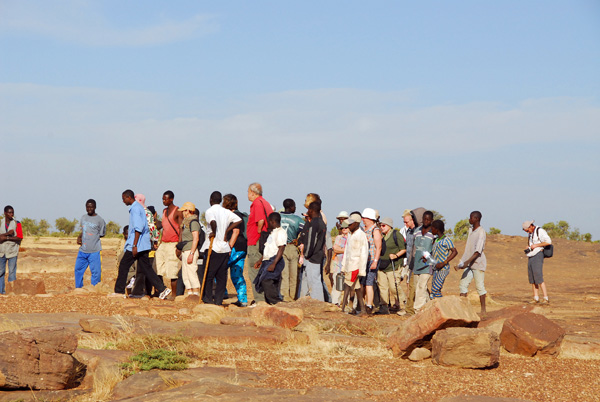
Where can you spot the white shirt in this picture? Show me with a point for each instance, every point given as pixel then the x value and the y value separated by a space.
pixel 476 243
pixel 277 238
pixel 223 218
pixel 356 253
pixel 538 236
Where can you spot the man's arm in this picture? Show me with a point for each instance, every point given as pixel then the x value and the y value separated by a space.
pixel 377 240
pixel 259 225
pixel 213 229
pixel 195 239
pixel 232 225
pixel 234 235
pixel 278 256
pixel 135 242
pixel 453 254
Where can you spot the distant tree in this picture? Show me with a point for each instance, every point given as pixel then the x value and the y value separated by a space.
pixel 65 226
pixel 587 237
pixel 113 229
pixel 29 226
pixel 43 227
pixel 202 219
pixel 494 231
pixel 461 229
pixel 437 215
pixel 562 230
pixel 575 235
pixel 334 232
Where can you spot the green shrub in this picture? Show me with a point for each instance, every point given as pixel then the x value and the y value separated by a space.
pixel 160 359
pixel 494 231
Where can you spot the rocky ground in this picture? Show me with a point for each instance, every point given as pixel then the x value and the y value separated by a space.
pixel 329 355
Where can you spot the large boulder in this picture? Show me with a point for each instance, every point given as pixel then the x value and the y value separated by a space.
pixel 39 358
pixel 24 286
pixel 466 347
pixel 528 334
pixel 279 316
pixel 445 312
pixel 495 319
pixel 208 313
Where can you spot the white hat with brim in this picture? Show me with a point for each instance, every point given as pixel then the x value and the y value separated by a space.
pixel 526 224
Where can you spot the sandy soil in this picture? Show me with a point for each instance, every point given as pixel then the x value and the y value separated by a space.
pixel 571 277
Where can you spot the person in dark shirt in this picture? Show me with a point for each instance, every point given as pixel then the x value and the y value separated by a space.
pixel 312 253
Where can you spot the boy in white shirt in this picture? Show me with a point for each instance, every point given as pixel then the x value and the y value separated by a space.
pixel 271 264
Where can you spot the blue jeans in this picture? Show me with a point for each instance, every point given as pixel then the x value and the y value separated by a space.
pixel 236 265
pixel 94 261
pixel 312 283
pixel 12 271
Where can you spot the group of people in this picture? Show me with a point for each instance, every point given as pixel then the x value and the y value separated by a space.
pixel 372 267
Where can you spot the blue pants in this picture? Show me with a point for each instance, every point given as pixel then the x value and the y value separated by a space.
pixel 94 261
pixel 12 271
pixel 312 282
pixel 236 265
pixel 439 276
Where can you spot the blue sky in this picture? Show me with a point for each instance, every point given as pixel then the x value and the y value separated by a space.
pixel 452 106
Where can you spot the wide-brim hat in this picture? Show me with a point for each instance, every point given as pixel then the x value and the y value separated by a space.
pixel 388 221
pixel 188 206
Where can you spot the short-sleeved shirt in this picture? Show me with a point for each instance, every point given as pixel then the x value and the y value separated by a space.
pixel 277 238
pixel 223 218
pixel 340 241
pixel 442 247
pixel 371 240
pixel 422 243
pixel 187 235
pixel 539 235
pixel 292 224
pixel 260 209
pixel 92 229
pixel 476 243
pixel 391 247
pixel 138 223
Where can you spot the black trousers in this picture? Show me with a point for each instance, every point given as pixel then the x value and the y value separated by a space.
pixel 271 290
pixel 143 266
pixel 217 269
pixel 142 285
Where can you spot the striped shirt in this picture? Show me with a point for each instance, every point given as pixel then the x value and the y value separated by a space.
pixel 442 247
pixel 371 240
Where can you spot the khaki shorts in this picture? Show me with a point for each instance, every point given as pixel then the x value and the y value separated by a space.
pixel 167 263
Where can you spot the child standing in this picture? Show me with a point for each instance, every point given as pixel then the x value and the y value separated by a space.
pixel 444 252
pixel 271 264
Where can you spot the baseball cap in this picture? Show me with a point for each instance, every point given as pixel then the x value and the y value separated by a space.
pixel 526 224
pixel 353 218
pixel 345 224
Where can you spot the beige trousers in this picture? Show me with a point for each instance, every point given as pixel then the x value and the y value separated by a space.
pixel 289 276
pixel 167 263
pixel 387 288
pixel 421 291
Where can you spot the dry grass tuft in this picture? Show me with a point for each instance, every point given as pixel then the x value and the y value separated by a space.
pixel 105 381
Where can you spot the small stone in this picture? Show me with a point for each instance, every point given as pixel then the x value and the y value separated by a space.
pixel 419 354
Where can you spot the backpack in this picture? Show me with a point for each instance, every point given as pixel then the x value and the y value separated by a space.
pixel 549 249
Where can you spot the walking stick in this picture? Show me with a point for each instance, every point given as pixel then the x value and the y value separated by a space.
pixel 205 271
pixel 395 282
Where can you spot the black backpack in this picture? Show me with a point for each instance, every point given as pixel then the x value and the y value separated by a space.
pixel 549 249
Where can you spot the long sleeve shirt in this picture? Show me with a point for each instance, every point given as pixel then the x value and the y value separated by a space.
pixel 356 253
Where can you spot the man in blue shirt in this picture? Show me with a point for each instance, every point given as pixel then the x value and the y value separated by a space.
pixel 293 224
pixel 137 248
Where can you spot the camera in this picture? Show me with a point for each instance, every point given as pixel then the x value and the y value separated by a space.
pixel 527 251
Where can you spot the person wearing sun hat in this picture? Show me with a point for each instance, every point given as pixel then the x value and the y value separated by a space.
pixel 190 236
pixel 369 218
pixel 537 239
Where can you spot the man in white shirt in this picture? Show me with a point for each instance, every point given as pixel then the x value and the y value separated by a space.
pixel 538 239
pixel 272 264
pixel 220 221
pixel 354 262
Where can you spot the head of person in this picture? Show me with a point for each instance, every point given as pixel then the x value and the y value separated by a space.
pixel 427 219
pixel 310 198
pixel 314 210
pixel 230 202
pixel 274 220
pixel 215 198
pixel 528 226
pixel 9 213
pixel 125 231
pixel 254 191
pixel 187 209
pixel 438 228
pixel 168 197
pixel 289 205
pixel 387 224
pixel 369 217
pixel 354 222
pixel 90 207
pixel 345 227
pixel 475 218
pixel 342 216
pixel 128 197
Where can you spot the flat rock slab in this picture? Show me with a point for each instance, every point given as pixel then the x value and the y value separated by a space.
pixel 495 319
pixel 214 389
pixel 25 286
pixel 149 382
pixel 528 334
pixel 466 347
pixel 38 396
pixel 39 358
pixel 285 317
pixel 441 313
pixel 480 398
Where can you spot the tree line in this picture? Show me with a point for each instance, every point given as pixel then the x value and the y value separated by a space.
pixel 63 226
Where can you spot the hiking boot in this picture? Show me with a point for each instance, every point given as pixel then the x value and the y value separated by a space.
pixel 240 304
pixel 545 301
pixel 383 310
pixel 534 301
pixel 164 294
pixel 369 310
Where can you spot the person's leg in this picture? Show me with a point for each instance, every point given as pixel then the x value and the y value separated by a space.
pixel 146 268
pixel 252 258
pixel 421 292
pixel 292 252
pixel 313 277
pixel 465 281
pixel 139 286
pixel 439 277
pixel 384 287
pixel 95 261
pixel 3 261
pixel 412 287
pixel 544 292
pixel 81 264
pixel 221 277
pixel 121 281
pixel 360 294
pixel 285 274
pixel 479 277
pixel 187 271
pixel 180 284
pixel 12 268
pixel 236 264
pixel 270 287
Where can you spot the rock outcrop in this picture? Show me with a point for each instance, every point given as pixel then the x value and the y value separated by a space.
pixel 528 334
pixel 466 347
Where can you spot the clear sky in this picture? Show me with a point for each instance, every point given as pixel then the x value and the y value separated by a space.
pixel 453 106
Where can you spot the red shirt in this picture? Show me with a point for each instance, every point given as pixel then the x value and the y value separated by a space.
pixel 257 213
